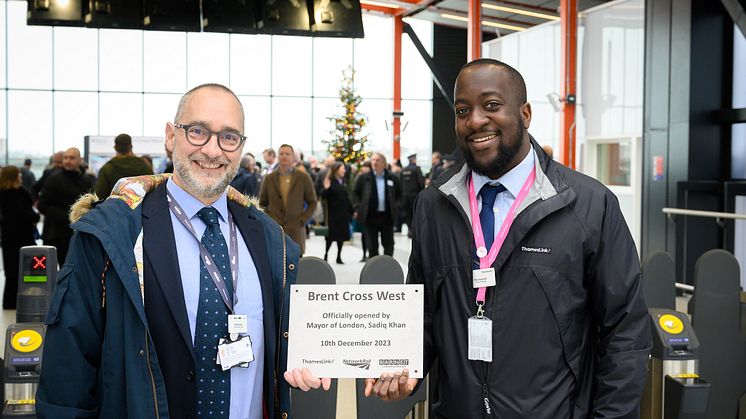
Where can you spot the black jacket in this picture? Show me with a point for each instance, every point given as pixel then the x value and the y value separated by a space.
pixel 366 195
pixel 59 193
pixel 570 326
pixel 246 182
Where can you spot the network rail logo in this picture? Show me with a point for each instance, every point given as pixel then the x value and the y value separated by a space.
pixel 363 364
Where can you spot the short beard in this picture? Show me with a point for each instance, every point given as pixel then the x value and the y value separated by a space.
pixel 506 154
pixel 193 185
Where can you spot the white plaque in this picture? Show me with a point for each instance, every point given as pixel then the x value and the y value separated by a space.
pixel 356 331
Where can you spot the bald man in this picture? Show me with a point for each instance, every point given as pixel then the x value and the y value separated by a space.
pixel 57 195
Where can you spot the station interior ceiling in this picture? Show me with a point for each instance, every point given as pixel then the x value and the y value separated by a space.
pixel 507 15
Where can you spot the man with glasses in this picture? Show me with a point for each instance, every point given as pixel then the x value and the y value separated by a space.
pixel 174 299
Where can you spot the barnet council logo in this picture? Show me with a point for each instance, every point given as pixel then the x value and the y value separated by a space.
pixel 363 364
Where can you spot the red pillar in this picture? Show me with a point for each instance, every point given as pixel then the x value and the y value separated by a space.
pixel 569 34
pixel 398 30
pixel 474 31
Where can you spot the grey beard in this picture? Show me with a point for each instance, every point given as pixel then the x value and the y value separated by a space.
pixel 206 191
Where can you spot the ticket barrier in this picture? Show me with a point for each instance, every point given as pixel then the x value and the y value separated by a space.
pixel 674 389
pixel 24 340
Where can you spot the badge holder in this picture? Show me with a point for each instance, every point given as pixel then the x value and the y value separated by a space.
pixel 480 336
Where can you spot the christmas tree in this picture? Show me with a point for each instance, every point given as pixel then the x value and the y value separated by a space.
pixel 347 144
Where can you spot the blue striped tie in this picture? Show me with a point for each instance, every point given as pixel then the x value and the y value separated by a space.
pixel 213 384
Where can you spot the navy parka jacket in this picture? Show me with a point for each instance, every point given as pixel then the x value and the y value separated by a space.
pixel 99 359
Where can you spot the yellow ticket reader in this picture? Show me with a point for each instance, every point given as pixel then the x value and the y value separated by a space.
pixel 24 340
pixel 674 389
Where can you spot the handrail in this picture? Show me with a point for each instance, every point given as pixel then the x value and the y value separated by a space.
pixel 707 214
pixel 685 287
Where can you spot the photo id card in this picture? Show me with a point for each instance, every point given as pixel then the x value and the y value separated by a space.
pixel 484 277
pixel 235 353
pixel 480 339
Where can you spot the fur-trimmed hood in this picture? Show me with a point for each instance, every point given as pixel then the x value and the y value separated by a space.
pixel 132 191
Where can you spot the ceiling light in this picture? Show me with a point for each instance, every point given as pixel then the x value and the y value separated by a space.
pixel 484 22
pixel 503 26
pixel 379 4
pixel 519 11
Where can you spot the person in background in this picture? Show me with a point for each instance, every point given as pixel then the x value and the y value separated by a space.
pixel 437 166
pixel 148 160
pixel 412 182
pixel 246 180
pixel 377 195
pixel 17 227
pixel 59 194
pixel 339 208
pixel 270 158
pixel 27 176
pixel 124 164
pixel 288 196
pixel 54 166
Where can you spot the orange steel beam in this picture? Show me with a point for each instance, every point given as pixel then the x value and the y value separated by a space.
pixel 398 30
pixel 381 9
pixel 474 31
pixel 569 35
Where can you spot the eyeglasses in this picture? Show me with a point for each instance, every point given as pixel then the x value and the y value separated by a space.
pixel 197 135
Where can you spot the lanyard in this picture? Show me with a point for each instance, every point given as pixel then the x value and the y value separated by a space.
pixel 212 269
pixel 486 259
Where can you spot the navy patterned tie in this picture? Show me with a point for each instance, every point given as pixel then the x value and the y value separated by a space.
pixel 487 214
pixel 213 384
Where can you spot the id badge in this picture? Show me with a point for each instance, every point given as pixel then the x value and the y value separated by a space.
pixel 480 339
pixel 235 353
pixel 484 277
pixel 238 324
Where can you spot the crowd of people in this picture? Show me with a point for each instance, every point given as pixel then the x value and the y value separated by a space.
pixel 329 197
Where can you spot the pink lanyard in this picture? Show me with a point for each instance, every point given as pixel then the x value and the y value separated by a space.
pixel 488 259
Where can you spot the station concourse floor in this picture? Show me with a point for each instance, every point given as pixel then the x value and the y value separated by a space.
pixel 348 273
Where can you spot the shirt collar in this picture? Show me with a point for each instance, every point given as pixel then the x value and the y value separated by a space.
pixel 513 180
pixel 192 205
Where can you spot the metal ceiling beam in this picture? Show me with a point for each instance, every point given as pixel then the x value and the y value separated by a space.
pixel 527 6
pixel 397 114
pixel 736 12
pixel 474 31
pixel 437 77
pixel 437 9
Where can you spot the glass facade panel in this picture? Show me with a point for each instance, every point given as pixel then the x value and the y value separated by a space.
pixel 291 71
pixel 374 58
pixel 613 164
pixel 120 112
pixel 120 60
pixel 417 81
pixel 331 56
pixel 258 127
pixel 75 68
pixel 416 132
pixel 323 128
pixel 207 59
pixel 75 116
pixel 73 82
pixel 158 109
pixel 29 51
pixel 251 64
pixel 165 60
pixel 292 122
pixel 29 131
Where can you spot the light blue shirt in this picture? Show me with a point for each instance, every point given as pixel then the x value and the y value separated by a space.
pixel 513 182
pixel 381 189
pixel 247 384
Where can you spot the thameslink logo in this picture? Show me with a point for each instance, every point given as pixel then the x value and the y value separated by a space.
pixel 363 364
pixel 536 249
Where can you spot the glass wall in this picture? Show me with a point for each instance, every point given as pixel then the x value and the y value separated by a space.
pixel 59 84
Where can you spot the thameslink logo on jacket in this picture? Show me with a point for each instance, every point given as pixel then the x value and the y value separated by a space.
pixel 536 249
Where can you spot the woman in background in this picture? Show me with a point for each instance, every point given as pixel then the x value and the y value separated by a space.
pixel 339 209
pixel 17 228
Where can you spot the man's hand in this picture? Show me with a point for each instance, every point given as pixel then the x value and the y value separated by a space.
pixel 305 380
pixel 391 387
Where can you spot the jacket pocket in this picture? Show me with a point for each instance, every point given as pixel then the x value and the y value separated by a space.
pixel 568 310
pixel 60 289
